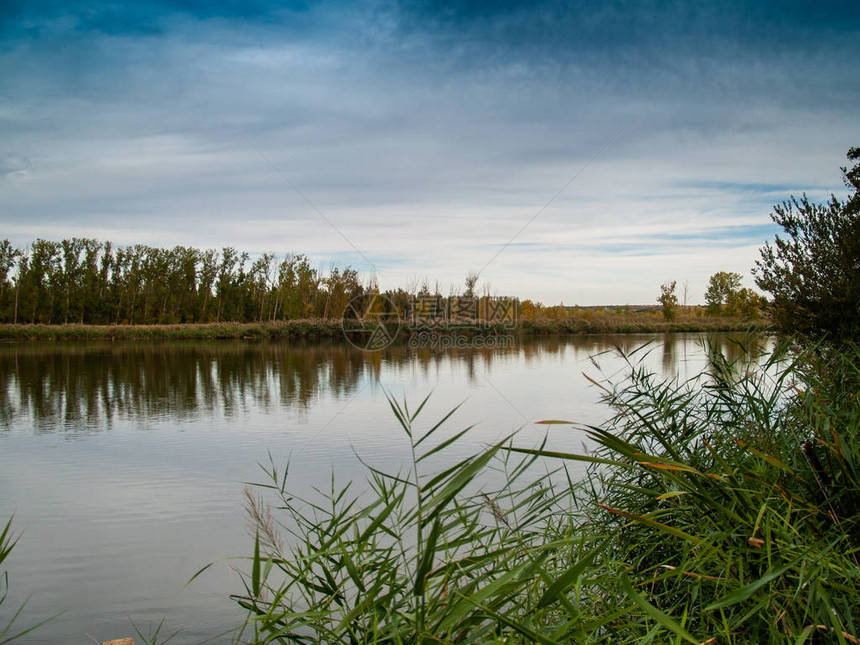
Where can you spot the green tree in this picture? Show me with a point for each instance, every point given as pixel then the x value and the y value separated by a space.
pixel 90 300
pixel 183 284
pixel 71 276
pixel 43 281
pixel 133 282
pixel 669 300
pixel 342 286
pixel 260 285
pixel 21 287
pixel 8 257
pixel 723 288
pixel 208 273
pixel 230 277
pixel 813 271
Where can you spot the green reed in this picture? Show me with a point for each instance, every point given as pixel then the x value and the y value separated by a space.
pixel 723 509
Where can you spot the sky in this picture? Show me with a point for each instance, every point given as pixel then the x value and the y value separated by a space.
pixel 574 152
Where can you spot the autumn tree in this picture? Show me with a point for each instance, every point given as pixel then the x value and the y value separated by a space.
pixel 723 287
pixel 745 303
pixel 668 300
pixel 529 310
pixel 342 286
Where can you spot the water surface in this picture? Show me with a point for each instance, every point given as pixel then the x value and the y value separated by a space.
pixel 124 463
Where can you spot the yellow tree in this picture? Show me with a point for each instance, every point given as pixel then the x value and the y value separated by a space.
pixel 668 300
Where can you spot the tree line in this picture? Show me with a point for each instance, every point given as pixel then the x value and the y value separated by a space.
pixel 86 281
pixel 812 271
pixel 90 282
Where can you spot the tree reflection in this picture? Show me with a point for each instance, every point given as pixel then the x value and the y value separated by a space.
pixel 87 386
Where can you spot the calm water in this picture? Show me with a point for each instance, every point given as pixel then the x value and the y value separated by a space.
pixel 124 463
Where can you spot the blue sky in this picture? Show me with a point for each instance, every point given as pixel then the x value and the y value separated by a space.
pixel 429 134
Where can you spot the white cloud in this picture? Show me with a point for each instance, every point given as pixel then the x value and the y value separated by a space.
pixel 427 159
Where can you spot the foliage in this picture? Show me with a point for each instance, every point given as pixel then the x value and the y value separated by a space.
pixel 722 288
pixel 813 273
pixel 726 297
pixel 86 281
pixel 153 635
pixel 746 304
pixel 668 300
pixel 723 509
pixel 82 281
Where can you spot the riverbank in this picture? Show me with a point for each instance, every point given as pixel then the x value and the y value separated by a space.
pixel 187 331
pixel 317 328
pixel 635 325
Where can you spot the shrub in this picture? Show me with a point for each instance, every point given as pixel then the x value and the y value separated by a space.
pixel 813 272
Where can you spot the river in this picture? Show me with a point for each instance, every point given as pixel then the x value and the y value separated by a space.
pixel 124 464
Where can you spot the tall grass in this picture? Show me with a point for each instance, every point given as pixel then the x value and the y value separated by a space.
pixel 322 328
pixel 424 556
pixel 317 328
pixel 724 509
pixel 636 324
pixel 733 500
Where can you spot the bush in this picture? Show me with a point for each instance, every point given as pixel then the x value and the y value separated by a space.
pixel 813 273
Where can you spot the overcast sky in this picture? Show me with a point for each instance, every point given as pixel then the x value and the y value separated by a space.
pixel 428 135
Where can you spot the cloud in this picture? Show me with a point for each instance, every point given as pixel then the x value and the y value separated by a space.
pixel 429 133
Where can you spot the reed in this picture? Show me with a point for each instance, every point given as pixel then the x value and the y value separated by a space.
pixel 637 324
pixel 733 501
pixel 322 328
pixel 724 509
pixel 189 331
